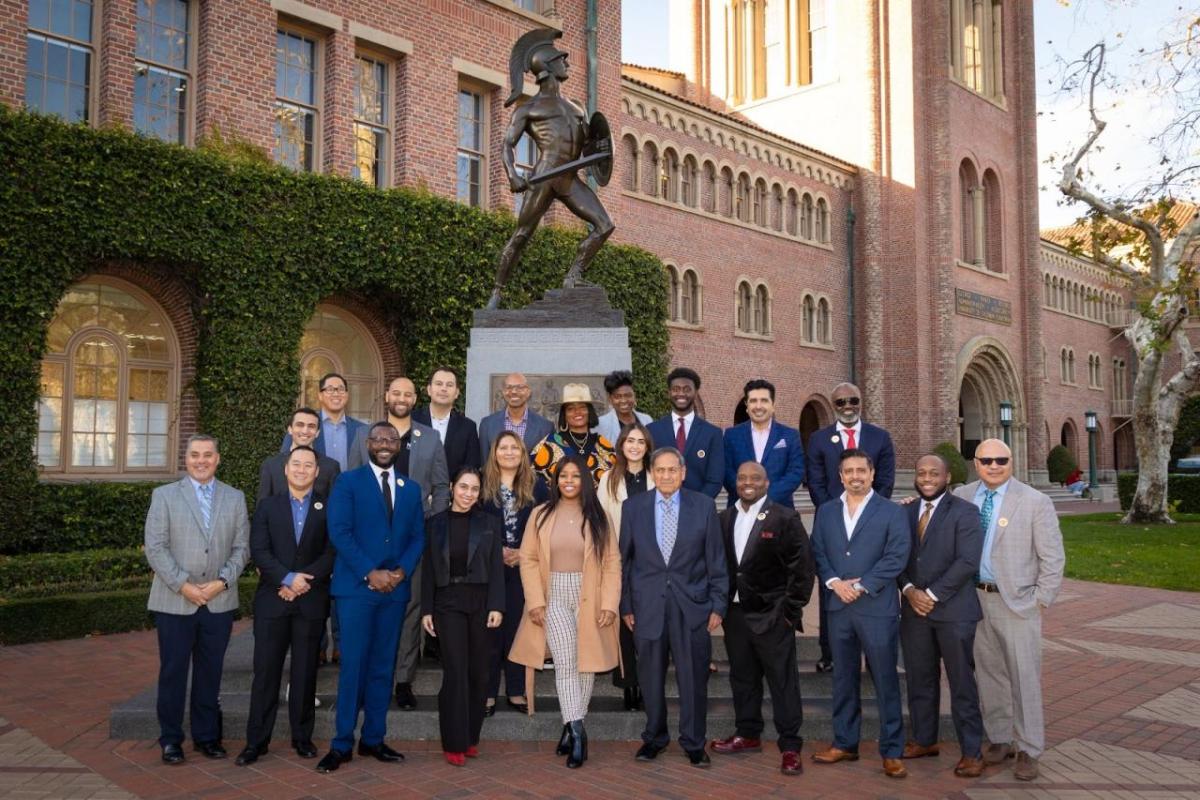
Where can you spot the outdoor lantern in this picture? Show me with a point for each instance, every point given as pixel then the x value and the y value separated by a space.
pixel 1089 421
pixel 1005 413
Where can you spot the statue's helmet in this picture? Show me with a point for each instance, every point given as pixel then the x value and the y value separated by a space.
pixel 532 53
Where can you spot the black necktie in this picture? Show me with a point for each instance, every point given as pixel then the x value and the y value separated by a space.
pixel 387 492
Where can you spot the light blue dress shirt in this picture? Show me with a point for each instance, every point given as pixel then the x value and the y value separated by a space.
pixel 658 512
pixel 299 514
pixel 985 562
pixel 334 437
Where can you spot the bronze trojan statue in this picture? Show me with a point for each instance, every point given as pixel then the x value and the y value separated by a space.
pixel 566 141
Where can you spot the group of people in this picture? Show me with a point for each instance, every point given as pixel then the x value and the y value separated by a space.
pixel 595 540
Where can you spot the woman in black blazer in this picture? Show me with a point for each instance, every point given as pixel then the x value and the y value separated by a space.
pixel 510 492
pixel 462 596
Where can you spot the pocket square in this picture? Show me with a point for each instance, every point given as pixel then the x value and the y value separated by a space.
pixel 781 444
pixel 767 535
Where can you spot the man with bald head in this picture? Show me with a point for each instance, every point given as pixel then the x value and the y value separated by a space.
pixel 770 581
pixel 1020 573
pixel 516 416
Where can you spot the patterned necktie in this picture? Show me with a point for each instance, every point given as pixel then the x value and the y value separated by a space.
pixel 386 484
pixel 680 437
pixel 669 528
pixel 206 504
pixel 985 511
pixel 924 521
pixel 850 443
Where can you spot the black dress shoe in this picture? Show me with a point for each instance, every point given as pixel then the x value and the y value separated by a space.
pixel 380 752
pixel 172 754
pixel 648 752
pixel 305 749
pixel 489 710
pixel 250 754
pixel 699 758
pixel 522 707
pixel 333 759
pixel 211 749
pixel 824 665
pixel 405 698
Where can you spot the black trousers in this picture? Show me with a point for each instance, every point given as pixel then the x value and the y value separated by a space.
pixel 274 638
pixel 823 621
pixel 629 680
pixel 927 645
pixel 460 620
pixel 199 641
pixel 690 649
pixel 753 657
pixel 502 639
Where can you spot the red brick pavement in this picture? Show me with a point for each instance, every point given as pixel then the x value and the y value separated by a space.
pixel 61 693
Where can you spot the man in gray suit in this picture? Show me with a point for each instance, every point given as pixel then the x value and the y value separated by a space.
pixel 515 416
pixel 197 543
pixel 1020 573
pixel 420 457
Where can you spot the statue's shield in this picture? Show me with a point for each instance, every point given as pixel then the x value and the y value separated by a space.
pixel 600 142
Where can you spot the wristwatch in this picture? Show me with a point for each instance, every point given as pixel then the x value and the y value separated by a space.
pixel 226 583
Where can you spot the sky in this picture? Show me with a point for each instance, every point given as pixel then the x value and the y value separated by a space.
pixel 1064 29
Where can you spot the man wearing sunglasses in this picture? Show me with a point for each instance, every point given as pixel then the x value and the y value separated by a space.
pixel 1020 573
pixel 825 448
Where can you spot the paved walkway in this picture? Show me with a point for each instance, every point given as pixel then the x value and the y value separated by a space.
pixel 1122 685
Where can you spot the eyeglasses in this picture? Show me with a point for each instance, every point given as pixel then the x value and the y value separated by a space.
pixel 384 439
pixel 987 461
pixel 842 402
pixel 333 390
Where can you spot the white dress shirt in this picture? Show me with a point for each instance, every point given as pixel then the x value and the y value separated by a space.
pixel 439 425
pixel 760 441
pixel 687 424
pixel 850 520
pixel 742 526
pixel 396 481
pixel 920 513
pixel 856 427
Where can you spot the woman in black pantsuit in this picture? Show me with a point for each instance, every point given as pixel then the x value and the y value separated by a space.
pixel 462 596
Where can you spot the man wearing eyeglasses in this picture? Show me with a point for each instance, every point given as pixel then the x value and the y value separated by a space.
pixel 825 448
pixel 516 416
pixel 337 429
pixel 1020 573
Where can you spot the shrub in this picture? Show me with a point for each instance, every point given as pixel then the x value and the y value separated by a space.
pixel 47 574
pixel 1060 463
pixel 82 516
pixel 958 464
pixel 1183 491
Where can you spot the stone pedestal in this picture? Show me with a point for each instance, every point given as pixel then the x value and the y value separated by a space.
pixel 569 336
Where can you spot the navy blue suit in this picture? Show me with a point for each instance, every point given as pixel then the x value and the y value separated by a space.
pixel 944 563
pixel 704 453
pixel 876 553
pixel 783 459
pixel 370 621
pixel 671 603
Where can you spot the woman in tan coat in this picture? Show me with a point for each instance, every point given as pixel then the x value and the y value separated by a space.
pixel 571 573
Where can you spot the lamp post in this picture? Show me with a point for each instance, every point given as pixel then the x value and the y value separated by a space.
pixel 1089 421
pixel 1006 419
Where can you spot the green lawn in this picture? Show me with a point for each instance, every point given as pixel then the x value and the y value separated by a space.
pixel 1100 549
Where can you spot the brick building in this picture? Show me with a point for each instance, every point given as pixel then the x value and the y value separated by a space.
pixel 840 190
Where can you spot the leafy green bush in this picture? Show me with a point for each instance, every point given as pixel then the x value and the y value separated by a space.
pixel 958 464
pixel 1060 462
pixel 1183 491
pixel 46 574
pixel 82 516
pixel 256 247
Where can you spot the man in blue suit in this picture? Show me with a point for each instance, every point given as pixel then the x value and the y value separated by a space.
pixel 860 544
pixel 825 449
pixel 765 440
pixel 940 611
pixel 338 428
pixel 700 441
pixel 674 593
pixel 376 522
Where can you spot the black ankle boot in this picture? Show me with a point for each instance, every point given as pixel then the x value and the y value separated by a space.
pixel 578 745
pixel 627 693
pixel 564 742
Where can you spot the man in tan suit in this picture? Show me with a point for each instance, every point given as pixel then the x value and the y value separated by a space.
pixel 1020 573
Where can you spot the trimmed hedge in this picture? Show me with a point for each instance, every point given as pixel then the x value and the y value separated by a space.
pixel 256 247
pixel 1060 462
pixel 48 574
pixel 43 619
pixel 1183 490
pixel 958 464
pixel 82 516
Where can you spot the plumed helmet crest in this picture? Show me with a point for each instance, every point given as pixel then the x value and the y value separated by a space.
pixel 535 47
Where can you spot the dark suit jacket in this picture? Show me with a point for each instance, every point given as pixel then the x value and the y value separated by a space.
pixel 359 530
pixel 537 428
pixel 352 428
pixel 485 557
pixel 696 577
pixel 462 440
pixel 426 464
pixel 947 561
pixel 704 454
pixel 824 454
pixel 876 553
pixel 275 552
pixel 774 579
pixel 783 460
pixel 272 481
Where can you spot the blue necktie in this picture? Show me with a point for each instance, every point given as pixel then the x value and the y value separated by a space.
pixel 206 504
pixel 669 528
pixel 985 511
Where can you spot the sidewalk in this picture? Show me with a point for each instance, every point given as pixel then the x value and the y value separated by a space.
pixel 1122 686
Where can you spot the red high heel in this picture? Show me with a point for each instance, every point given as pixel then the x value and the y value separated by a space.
pixel 455 759
pixel 472 752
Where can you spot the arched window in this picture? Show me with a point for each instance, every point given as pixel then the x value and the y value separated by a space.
pixel 335 340
pixel 648 169
pixel 1062 370
pixel 109 395
pixel 822 221
pixel 726 192
pixel 742 208
pixel 971 216
pixel 708 192
pixel 630 151
pixel 993 254
pixel 687 182
pixel 824 324
pixel 806 217
pixel 776 216
pixel 760 203
pixel 793 212
pixel 1070 365
pixel 689 304
pixel 672 293
pixel 669 178
pixel 1047 292
pixel 808 322
pixel 762 310
pixel 744 301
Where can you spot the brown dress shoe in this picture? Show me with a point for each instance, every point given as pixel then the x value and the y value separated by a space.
pixel 736 744
pixel 1026 768
pixel 833 755
pixel 996 753
pixel 969 767
pixel 894 768
pixel 792 765
pixel 914 750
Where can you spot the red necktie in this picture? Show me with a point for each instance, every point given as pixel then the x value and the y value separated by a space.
pixel 850 439
pixel 680 437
